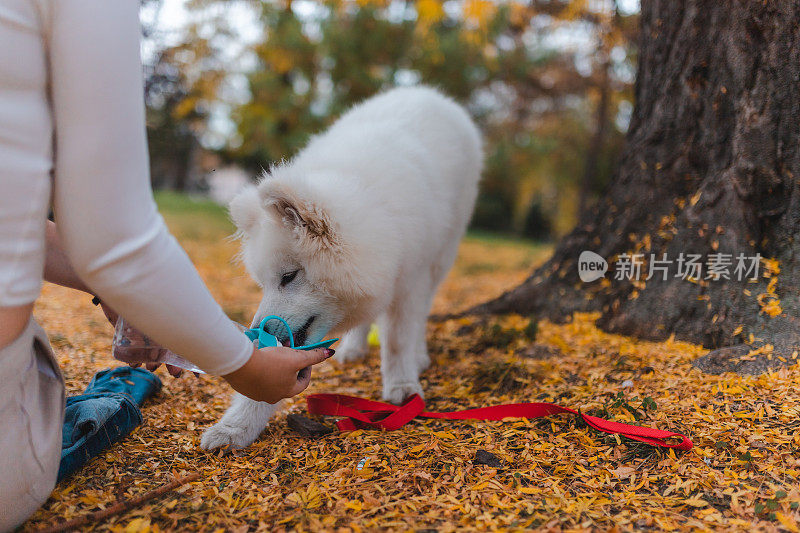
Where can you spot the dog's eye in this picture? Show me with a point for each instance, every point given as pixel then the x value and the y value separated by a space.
pixel 288 277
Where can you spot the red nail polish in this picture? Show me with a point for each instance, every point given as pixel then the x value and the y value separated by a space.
pixel 329 352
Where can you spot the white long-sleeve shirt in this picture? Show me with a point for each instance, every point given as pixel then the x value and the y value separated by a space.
pixel 71 77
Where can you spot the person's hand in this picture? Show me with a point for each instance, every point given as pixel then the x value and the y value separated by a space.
pixel 274 373
pixel 143 350
pixel 174 371
pixel 112 316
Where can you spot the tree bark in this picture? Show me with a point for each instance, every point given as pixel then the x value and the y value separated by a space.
pixel 598 141
pixel 711 165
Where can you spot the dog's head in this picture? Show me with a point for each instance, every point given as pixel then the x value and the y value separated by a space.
pixel 309 256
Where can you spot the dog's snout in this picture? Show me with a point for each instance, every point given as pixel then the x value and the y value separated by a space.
pixel 301 334
pixel 279 330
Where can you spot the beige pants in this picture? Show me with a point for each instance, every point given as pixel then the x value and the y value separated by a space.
pixel 31 416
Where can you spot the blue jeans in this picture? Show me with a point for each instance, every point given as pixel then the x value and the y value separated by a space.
pixel 105 413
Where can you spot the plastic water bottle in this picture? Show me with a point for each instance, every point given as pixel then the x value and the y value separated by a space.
pixel 132 346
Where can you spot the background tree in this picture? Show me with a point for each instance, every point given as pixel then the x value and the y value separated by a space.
pixel 184 78
pixel 710 166
pixel 171 124
pixel 278 117
pixel 536 98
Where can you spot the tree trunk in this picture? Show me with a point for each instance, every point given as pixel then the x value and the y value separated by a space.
pixel 598 141
pixel 711 166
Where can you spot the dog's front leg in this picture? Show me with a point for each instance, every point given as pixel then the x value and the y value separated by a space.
pixel 240 425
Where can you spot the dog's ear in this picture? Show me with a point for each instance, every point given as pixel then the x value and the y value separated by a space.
pixel 245 209
pixel 303 216
pixel 281 202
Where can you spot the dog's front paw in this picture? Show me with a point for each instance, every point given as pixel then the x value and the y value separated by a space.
pixel 397 392
pixel 222 435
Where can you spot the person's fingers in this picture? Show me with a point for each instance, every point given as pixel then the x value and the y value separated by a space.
pixel 152 367
pixel 313 357
pixel 134 365
pixel 175 371
pixel 303 380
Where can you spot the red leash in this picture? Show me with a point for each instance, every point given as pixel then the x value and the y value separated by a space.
pixel 364 414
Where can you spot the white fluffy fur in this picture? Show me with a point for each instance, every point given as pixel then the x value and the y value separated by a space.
pixel 370 214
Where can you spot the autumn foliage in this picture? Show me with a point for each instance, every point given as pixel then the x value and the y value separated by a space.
pixel 550 474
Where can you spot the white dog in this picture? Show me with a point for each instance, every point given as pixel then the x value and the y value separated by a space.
pixel 362 224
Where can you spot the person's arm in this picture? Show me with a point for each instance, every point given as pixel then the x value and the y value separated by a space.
pixel 105 213
pixel 57 268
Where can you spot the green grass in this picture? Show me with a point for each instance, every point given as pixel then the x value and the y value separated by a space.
pixel 198 218
pixel 483 252
pixel 504 239
pixel 193 218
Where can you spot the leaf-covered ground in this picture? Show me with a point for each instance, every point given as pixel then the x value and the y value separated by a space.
pixel 553 474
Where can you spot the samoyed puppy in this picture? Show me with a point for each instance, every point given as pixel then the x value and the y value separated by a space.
pixel 362 225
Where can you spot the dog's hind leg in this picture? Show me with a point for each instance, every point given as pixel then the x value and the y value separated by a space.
pixel 354 345
pixel 439 269
pixel 241 424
